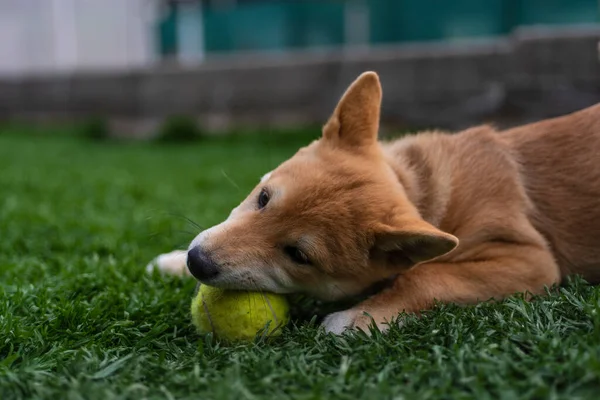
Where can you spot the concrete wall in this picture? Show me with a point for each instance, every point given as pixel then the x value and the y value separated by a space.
pixel 70 35
pixel 533 74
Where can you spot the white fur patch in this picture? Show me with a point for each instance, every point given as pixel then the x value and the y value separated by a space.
pixel 339 322
pixel 173 263
pixel 266 177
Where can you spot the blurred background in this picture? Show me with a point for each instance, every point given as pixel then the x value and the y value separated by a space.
pixel 225 64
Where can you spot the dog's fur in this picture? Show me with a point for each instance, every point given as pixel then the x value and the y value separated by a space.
pixel 524 204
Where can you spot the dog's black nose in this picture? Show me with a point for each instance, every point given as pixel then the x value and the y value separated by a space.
pixel 201 266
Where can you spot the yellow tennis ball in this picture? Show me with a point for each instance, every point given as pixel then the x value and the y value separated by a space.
pixel 238 315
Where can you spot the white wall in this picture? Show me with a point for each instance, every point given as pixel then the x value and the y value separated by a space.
pixel 45 36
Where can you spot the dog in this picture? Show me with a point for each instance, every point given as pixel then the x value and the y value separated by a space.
pixel 457 218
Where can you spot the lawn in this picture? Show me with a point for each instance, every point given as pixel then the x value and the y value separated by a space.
pixel 79 220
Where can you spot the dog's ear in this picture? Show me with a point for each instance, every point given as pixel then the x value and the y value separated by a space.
pixel 355 120
pixel 412 243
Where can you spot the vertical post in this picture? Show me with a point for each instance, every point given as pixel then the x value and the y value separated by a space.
pixel 190 33
pixel 150 10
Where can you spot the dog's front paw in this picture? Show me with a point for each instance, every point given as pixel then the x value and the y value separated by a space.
pixel 173 263
pixel 357 319
pixel 338 322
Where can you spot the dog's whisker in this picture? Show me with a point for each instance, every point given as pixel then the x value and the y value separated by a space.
pixel 170 233
pixel 343 292
pixel 189 220
pixel 235 185
pixel 183 231
pixel 257 289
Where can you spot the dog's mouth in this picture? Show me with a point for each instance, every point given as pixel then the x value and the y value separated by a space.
pixel 246 282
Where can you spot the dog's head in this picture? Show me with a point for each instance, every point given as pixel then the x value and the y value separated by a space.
pixel 331 221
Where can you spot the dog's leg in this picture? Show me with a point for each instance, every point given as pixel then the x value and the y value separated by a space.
pixel 501 271
pixel 173 263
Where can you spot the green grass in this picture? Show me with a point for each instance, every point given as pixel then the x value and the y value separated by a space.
pixel 79 319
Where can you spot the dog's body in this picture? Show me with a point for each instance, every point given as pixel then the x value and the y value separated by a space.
pixel 347 212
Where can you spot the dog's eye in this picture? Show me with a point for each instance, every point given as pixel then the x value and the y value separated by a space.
pixel 263 198
pixel 297 255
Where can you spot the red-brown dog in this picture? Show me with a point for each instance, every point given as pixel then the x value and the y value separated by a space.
pixel 454 217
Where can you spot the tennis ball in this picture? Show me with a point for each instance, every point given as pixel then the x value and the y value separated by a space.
pixel 238 315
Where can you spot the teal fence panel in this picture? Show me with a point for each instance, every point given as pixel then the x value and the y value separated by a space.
pixel 547 12
pixel 167 32
pixel 274 26
pixel 419 20
pixel 283 25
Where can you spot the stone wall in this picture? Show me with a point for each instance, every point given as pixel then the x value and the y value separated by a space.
pixel 534 73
